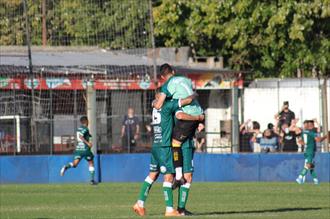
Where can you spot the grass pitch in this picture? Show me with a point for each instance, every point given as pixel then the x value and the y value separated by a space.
pixel 206 200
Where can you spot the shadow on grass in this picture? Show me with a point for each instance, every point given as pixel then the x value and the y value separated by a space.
pixel 278 210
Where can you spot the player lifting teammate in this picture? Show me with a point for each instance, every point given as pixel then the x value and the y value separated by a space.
pixel 161 153
pixel 178 87
pixel 83 150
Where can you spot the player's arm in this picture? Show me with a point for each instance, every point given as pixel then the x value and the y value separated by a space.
pixel 81 137
pixel 160 101
pixel 184 116
pixel 320 139
pixel 188 100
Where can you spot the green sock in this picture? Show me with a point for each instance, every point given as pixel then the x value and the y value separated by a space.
pixel 92 173
pixel 168 194
pixel 144 191
pixel 304 172
pixel 183 195
pixel 313 173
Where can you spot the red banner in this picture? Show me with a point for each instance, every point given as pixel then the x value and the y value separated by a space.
pixel 200 81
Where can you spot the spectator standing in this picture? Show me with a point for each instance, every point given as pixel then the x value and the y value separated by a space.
pixel 246 134
pixel 255 144
pixel 286 115
pixel 130 130
pixel 200 138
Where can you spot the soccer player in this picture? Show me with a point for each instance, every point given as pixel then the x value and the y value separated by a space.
pixel 178 87
pixel 161 153
pixel 309 139
pixel 83 150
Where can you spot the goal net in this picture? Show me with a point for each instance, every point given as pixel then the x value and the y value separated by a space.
pixel 72 42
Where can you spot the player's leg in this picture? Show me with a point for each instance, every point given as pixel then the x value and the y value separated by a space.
pixel 144 192
pixel 89 157
pixel 146 185
pixel 177 159
pixel 168 195
pixel 188 170
pixel 313 173
pixel 167 168
pixel 91 169
pixel 181 132
pixel 302 175
pixel 74 164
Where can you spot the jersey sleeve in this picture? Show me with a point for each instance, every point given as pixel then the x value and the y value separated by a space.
pixel 164 90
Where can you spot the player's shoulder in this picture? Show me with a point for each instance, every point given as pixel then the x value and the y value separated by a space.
pixel 83 129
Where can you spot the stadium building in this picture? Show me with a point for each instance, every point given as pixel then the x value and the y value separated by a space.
pixel 55 96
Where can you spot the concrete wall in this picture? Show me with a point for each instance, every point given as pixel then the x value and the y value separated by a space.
pixel 134 168
pixel 261 104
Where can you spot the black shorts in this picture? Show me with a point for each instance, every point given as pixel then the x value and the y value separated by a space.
pixel 184 129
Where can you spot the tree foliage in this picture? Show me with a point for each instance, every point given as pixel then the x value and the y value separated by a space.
pixel 272 38
pixel 118 24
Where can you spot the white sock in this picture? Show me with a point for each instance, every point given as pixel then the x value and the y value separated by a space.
pixel 140 203
pixel 149 180
pixel 169 209
pixel 178 173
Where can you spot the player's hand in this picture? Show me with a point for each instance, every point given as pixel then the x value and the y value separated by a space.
pixel 201 117
pixel 90 144
pixel 136 136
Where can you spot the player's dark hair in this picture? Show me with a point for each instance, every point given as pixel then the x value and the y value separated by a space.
pixel 255 125
pixel 83 119
pixel 165 69
pixel 306 121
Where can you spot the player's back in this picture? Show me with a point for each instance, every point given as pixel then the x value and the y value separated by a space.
pixel 180 87
pixel 82 131
pixel 162 122
pixel 309 140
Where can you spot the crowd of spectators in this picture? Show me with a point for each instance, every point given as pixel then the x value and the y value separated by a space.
pixel 284 135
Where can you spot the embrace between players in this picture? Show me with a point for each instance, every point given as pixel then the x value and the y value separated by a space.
pixel 175 117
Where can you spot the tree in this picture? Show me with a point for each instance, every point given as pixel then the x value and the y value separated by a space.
pixel 271 38
pixel 120 24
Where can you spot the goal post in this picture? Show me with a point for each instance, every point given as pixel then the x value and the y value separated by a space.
pixel 17 122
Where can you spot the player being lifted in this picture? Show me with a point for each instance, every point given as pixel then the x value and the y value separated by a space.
pixel 309 139
pixel 161 153
pixel 177 87
pixel 83 150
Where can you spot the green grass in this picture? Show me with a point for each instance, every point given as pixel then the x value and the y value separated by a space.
pixel 207 200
